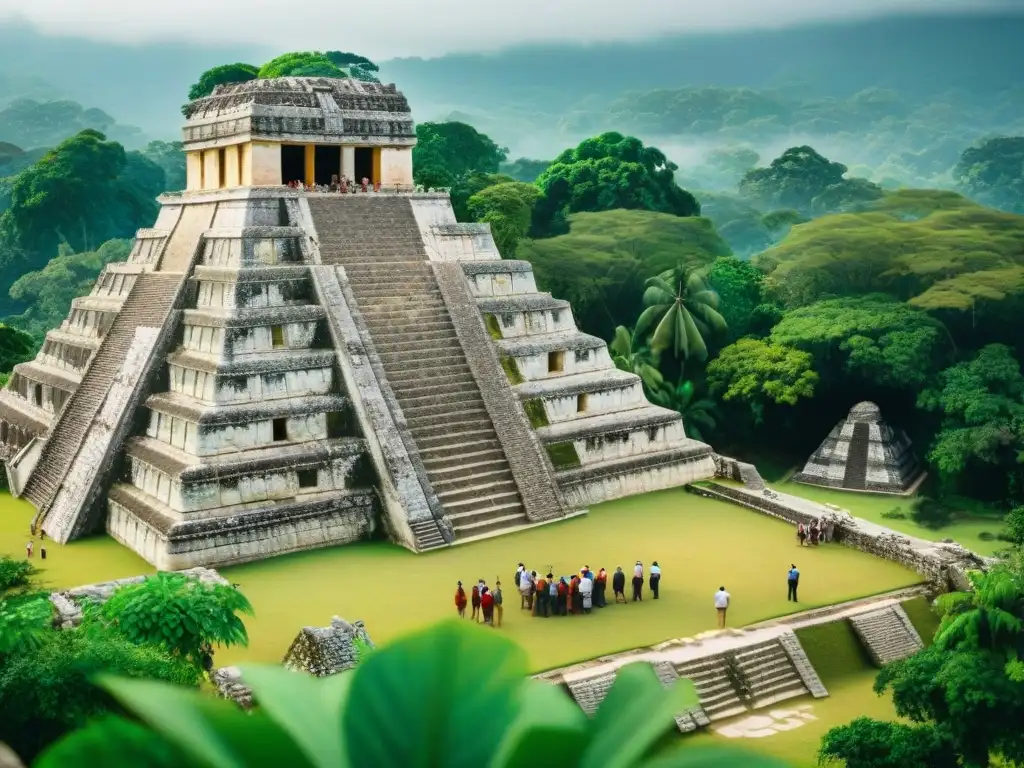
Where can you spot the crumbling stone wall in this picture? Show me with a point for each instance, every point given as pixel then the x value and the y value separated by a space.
pixel 944 564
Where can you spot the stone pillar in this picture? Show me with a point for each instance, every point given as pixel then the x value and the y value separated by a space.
pixel 193 171
pixel 264 166
pixel 348 162
pixel 245 164
pixel 375 177
pixel 211 168
pixel 232 172
pixel 396 167
pixel 310 163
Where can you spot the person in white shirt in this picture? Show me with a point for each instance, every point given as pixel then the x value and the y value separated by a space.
pixel 638 582
pixel 722 605
pixel 655 579
pixel 586 589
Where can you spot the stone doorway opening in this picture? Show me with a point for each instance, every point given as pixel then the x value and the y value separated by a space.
pixel 364 164
pixel 326 164
pixel 293 163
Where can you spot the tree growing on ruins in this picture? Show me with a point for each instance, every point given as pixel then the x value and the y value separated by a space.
pixel 508 208
pixel 375 715
pixel 681 314
pixel 607 172
pixel 221 75
pixel 182 615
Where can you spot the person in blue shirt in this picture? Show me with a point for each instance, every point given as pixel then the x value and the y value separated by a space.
pixel 793 580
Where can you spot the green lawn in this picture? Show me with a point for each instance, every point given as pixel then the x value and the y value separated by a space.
pixel 700 544
pixel 870 506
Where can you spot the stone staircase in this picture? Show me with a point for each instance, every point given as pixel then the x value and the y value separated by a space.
pixel 378 243
pixel 887 634
pixel 856 474
pixel 147 305
pixel 769 674
pixel 717 689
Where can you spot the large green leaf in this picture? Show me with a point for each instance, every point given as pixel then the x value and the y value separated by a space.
pixel 696 342
pixel 440 697
pixel 306 708
pixel 550 730
pixel 635 714
pixel 214 732
pixel 113 742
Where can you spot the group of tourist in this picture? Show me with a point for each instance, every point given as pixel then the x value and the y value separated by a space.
pixel 819 531
pixel 548 595
pixel 340 184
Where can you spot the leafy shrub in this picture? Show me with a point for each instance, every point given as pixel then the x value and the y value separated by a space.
pixel 15 573
pixel 896 513
pixel 182 615
pixel 932 513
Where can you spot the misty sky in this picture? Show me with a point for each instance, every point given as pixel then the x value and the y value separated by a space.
pixel 386 28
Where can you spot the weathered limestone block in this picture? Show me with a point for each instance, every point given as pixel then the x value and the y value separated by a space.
pixel 324 651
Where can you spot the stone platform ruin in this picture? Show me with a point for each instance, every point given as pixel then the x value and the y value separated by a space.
pixel 864 453
pixel 276 369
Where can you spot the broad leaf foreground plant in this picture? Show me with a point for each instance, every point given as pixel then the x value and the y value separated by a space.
pixel 448 696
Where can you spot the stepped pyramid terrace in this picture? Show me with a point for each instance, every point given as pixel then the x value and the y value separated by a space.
pixel 275 370
pixel 863 453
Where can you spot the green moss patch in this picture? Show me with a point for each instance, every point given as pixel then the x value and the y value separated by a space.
pixel 923 617
pixel 511 370
pixel 493 327
pixel 563 455
pixel 835 651
pixel 535 411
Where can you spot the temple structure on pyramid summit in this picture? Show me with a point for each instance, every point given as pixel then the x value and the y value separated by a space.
pixel 864 453
pixel 276 369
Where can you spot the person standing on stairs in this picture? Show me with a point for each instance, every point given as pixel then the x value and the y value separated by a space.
pixel 793 580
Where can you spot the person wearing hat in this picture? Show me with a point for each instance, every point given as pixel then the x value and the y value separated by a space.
pixel 460 600
pixel 655 579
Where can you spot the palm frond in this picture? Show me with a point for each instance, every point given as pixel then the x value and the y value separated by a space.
pixel 697 348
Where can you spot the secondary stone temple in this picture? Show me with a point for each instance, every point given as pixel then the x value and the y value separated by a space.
pixel 275 369
pixel 863 453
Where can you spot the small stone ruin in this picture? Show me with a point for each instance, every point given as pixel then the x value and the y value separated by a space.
pixel 863 453
pixel 318 651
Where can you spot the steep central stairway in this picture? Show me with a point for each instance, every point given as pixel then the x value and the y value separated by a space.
pixel 856 474
pixel 378 243
pixel 147 305
pixel 887 634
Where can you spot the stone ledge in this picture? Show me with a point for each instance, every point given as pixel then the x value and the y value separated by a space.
pixel 184 407
pixel 251 318
pixel 521 302
pixel 632 464
pixel 631 420
pixel 252 274
pixel 549 342
pixel 16 410
pixel 192 469
pixel 253 232
pixel 577 383
pixel 495 266
pixel 177 530
pixel 57 378
pixel 253 364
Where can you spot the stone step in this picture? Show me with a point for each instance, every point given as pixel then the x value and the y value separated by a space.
pixel 427 357
pixel 399 338
pixel 410 312
pixel 414 384
pixel 454 455
pixel 726 713
pixel 438 375
pixel 479 503
pixel 405 292
pixel 442 475
pixel 454 424
pixel 464 531
pixel 413 396
pixel 438 346
pixel 474 490
pixel 441 408
pixel 455 442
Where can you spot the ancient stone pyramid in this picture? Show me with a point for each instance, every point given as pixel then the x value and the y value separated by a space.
pixel 278 368
pixel 863 453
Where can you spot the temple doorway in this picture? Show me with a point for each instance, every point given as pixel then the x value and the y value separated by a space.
pixel 293 163
pixel 364 164
pixel 327 163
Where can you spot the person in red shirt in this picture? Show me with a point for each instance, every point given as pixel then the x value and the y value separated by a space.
pixel 563 596
pixel 460 601
pixel 475 599
pixel 540 601
pixel 487 606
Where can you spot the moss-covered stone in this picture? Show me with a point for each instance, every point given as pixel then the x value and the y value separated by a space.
pixel 511 370
pixel 493 327
pixel 563 455
pixel 535 411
